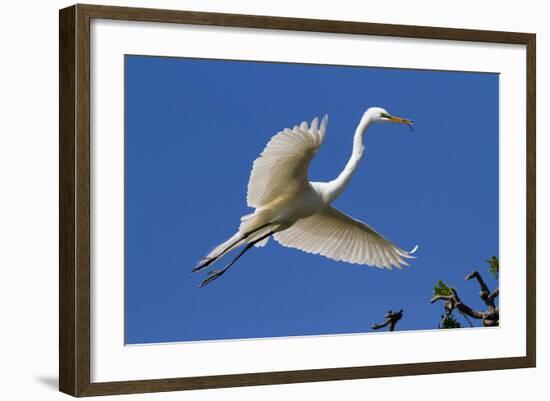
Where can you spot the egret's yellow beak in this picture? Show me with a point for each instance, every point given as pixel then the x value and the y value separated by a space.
pixel 401 120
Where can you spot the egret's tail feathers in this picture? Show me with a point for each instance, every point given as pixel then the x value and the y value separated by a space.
pixel 219 251
pixel 259 234
pixel 238 239
pixel 248 216
pixel 244 222
pixel 226 246
pixel 261 243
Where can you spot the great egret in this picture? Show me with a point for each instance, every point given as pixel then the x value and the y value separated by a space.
pixel 297 212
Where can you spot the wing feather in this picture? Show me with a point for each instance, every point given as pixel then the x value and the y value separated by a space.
pixel 337 236
pixel 283 165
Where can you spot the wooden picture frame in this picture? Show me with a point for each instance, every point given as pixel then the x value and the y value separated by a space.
pixel 74 204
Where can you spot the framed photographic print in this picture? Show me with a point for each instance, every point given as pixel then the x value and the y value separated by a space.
pixel 250 200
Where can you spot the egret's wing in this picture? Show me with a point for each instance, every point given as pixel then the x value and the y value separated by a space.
pixel 282 167
pixel 337 236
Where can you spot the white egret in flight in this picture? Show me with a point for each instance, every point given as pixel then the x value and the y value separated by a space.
pixel 298 213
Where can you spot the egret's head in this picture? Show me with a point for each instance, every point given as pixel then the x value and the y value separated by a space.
pixel 379 115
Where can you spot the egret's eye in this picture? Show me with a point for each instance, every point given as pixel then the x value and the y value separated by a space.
pixel 384 115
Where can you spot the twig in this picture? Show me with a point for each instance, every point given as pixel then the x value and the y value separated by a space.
pixel 391 319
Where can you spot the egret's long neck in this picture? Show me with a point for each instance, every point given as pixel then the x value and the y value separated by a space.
pixel 335 187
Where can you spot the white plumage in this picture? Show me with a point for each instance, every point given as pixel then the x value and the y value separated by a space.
pixel 298 213
pixel 337 236
pixel 283 165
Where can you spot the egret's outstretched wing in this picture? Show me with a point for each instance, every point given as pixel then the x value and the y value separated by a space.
pixel 337 236
pixel 282 167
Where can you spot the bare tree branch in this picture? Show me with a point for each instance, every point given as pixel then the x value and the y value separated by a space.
pixel 490 317
pixel 438 297
pixel 493 295
pixel 482 285
pixel 391 319
pixel 484 292
pixel 465 308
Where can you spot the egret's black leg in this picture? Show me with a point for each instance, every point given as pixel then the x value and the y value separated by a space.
pixel 214 274
pixel 205 262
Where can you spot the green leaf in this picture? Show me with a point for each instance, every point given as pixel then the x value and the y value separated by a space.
pixel 441 288
pixel 450 322
pixel 493 266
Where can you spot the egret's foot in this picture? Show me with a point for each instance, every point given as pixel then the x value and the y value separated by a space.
pixel 204 262
pixel 214 274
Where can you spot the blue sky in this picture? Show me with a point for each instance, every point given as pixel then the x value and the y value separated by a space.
pixel 193 129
